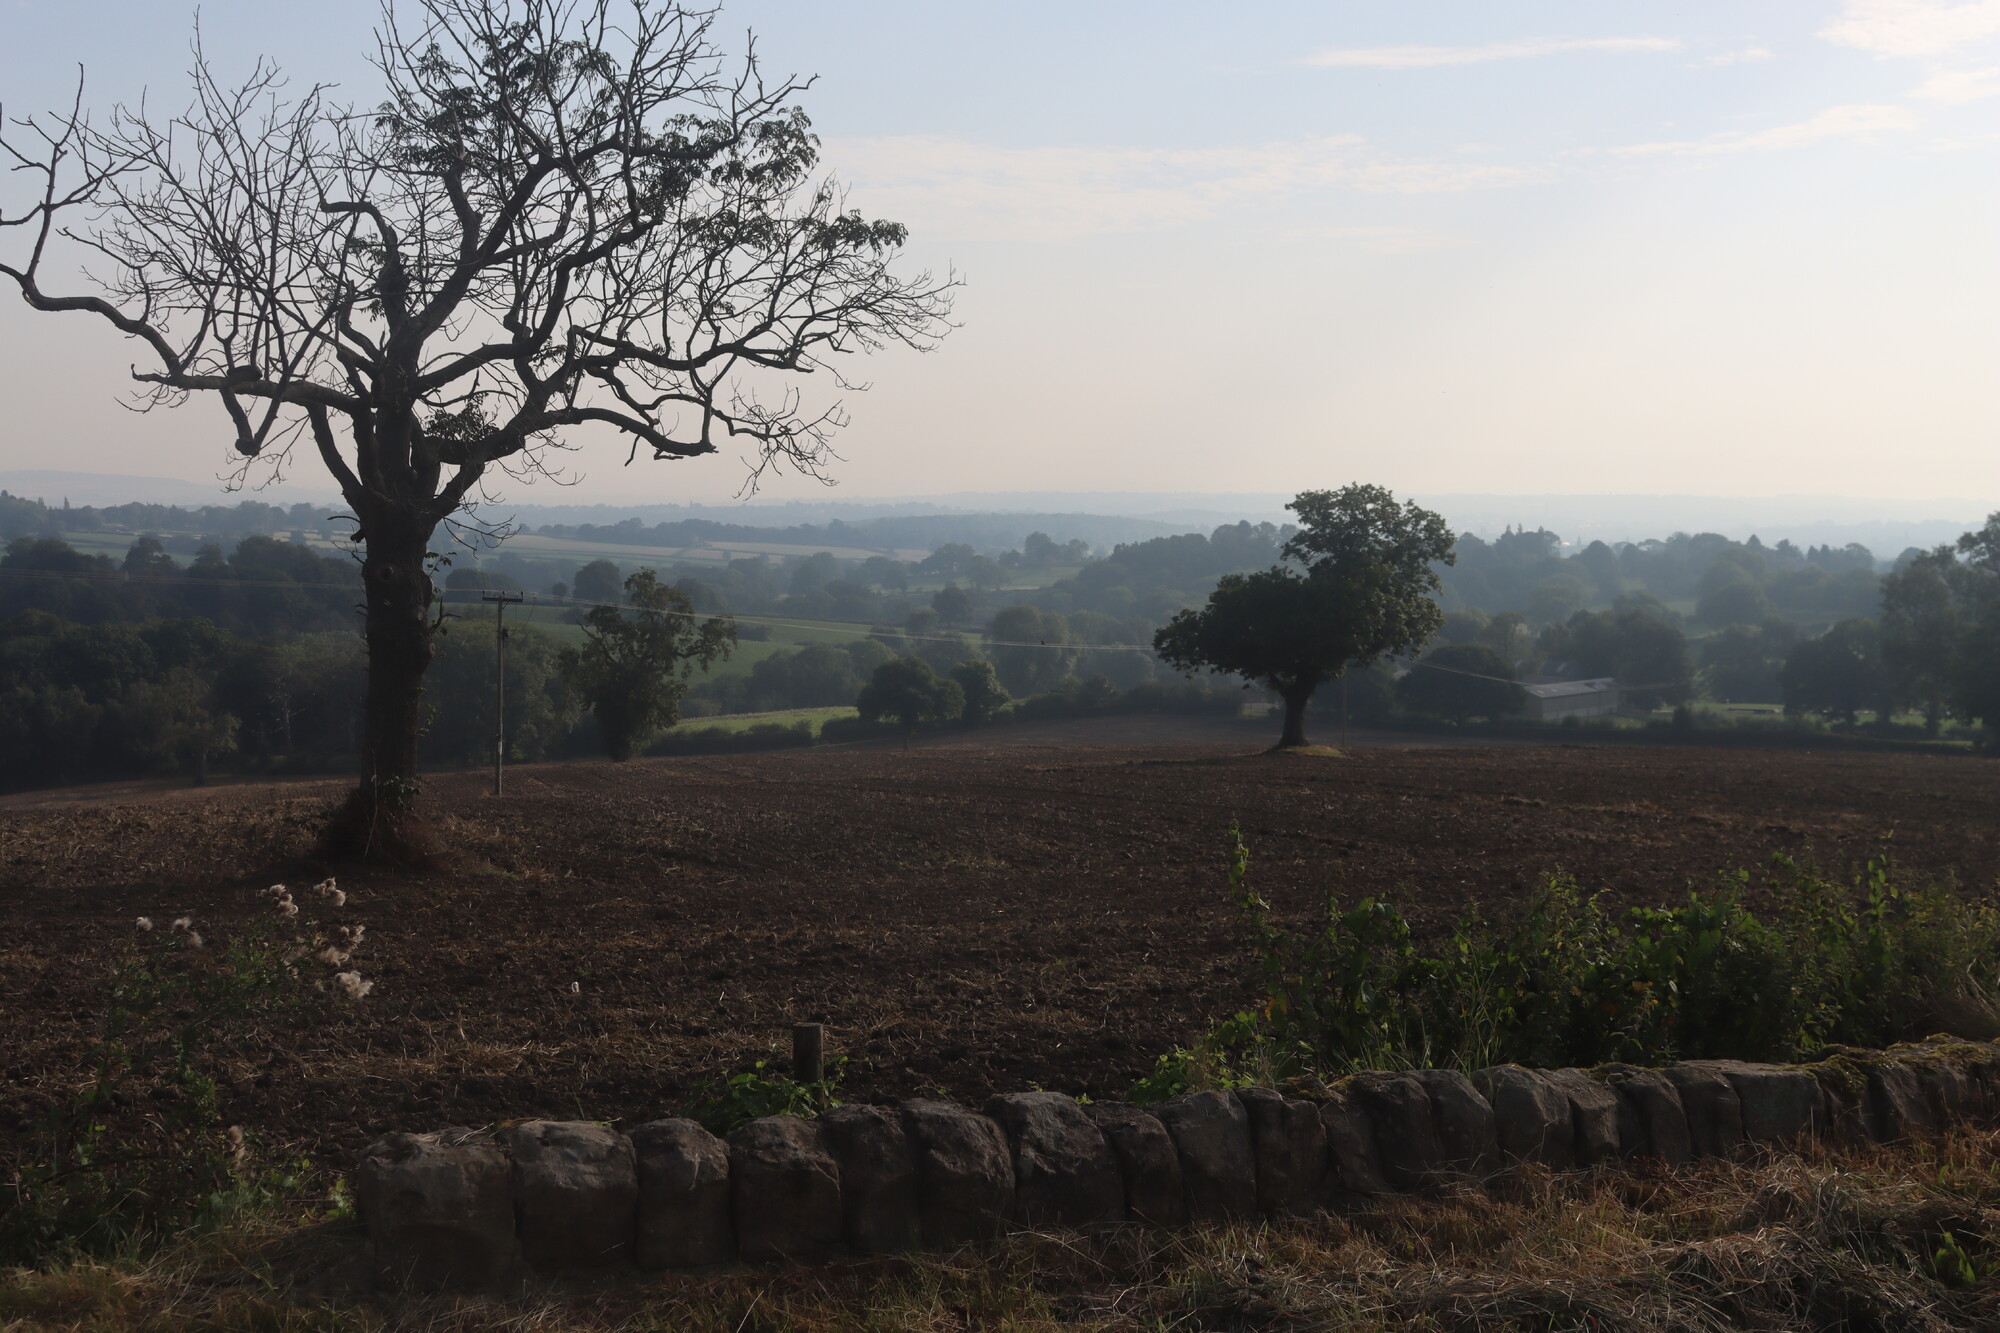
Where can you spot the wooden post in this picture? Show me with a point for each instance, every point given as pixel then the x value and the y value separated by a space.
pixel 808 1052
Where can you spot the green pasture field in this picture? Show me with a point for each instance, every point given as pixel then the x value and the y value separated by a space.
pixel 716 553
pixel 552 620
pixel 113 544
pixel 816 717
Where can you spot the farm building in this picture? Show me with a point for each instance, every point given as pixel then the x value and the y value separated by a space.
pixel 1573 698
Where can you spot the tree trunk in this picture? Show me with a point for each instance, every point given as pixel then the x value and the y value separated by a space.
pixel 380 821
pixel 1296 700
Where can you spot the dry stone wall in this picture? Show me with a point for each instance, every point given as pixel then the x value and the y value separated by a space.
pixel 470 1208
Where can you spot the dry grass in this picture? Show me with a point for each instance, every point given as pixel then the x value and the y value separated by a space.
pixel 1829 1239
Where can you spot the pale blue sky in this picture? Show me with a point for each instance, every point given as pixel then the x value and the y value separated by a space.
pixel 1731 248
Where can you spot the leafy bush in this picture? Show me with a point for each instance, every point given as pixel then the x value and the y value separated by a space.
pixel 1573 983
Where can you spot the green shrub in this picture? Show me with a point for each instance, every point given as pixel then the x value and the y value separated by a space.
pixel 1572 983
pixel 731 1103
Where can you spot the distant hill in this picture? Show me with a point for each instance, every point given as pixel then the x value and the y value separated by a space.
pixel 995 520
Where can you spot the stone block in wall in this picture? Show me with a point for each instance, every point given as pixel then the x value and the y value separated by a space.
pixel 1981 1063
pixel 1651 1120
pixel 1593 1112
pixel 1211 1132
pixel 1897 1108
pixel 1406 1138
pixel 784 1190
pixel 1148 1166
pixel 880 1210
pixel 1288 1143
pixel 1064 1171
pixel 683 1196
pixel 576 1192
pixel 1779 1103
pixel 1714 1113
pixel 965 1172
pixel 1464 1121
pixel 1843 1099
pixel 439 1208
pixel 1952 1094
pixel 1531 1119
pixel 1353 1164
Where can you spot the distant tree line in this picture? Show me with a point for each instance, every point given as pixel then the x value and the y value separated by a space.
pixel 148 663
pixel 183 697
pixel 22 517
pixel 263 586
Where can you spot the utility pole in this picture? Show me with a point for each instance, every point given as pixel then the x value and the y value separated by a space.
pixel 1343 710
pixel 500 601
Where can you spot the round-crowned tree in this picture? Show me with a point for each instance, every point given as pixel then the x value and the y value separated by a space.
pixel 907 692
pixel 984 695
pixel 633 668
pixel 1360 586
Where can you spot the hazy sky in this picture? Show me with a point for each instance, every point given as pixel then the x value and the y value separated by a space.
pixel 1744 247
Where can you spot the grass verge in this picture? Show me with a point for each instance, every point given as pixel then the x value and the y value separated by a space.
pixel 1854 1238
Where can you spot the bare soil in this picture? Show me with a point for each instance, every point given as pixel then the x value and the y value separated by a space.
pixel 965 917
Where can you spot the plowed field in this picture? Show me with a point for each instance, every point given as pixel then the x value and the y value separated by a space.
pixel 963 918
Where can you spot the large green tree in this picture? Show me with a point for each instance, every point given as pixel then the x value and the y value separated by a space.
pixel 1921 631
pixel 1461 681
pixel 546 216
pixel 635 662
pixel 912 695
pixel 984 695
pixel 1031 650
pixel 1975 661
pixel 1837 674
pixel 1740 663
pixel 1361 585
pixel 1633 642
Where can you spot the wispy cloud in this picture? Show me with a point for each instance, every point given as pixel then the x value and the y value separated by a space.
pixel 1749 55
pixel 1959 86
pixel 1838 122
pixel 1526 48
pixel 1913 27
pixel 1050 193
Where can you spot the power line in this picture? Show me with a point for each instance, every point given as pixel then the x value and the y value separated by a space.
pixel 541 599
pixel 775 622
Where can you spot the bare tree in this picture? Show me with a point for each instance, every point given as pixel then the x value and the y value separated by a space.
pixel 562 213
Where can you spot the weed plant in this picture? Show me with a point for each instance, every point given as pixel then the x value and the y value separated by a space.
pixel 728 1104
pixel 142 1149
pixel 1575 983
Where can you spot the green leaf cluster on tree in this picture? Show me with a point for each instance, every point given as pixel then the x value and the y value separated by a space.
pixel 1838 674
pixel 635 663
pixel 1936 648
pixel 907 692
pixel 983 693
pixel 1940 630
pixel 1637 641
pixel 1361 585
pixel 1461 681
pixel 1031 650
